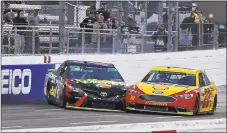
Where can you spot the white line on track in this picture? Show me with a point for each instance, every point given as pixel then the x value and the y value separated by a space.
pixel 48 109
pixel 50 118
pixel 168 117
pixel 93 122
pixel 11 127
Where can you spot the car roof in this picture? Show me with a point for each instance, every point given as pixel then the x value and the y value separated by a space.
pixel 177 69
pixel 93 63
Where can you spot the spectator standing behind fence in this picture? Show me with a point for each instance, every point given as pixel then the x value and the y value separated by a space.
pixel 91 8
pixel 33 20
pixel 100 25
pixel 88 22
pixel 104 11
pixel 111 24
pixel 192 24
pixel 207 30
pixel 19 42
pixel 7 14
pixel 161 39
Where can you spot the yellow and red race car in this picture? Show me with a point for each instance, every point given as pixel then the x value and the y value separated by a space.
pixel 173 90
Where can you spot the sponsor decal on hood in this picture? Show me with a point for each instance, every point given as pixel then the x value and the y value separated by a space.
pixel 101 83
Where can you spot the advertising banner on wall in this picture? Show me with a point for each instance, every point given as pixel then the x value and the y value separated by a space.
pixel 23 82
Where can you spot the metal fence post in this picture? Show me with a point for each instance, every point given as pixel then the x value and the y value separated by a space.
pixel 160 12
pixel 199 35
pixel 169 46
pixel 15 40
pixel 77 13
pixel 33 40
pixel 2 22
pixel 50 43
pixel 67 48
pixel 145 27
pixel 177 26
pixel 98 45
pixel 9 42
pixel 215 42
pixel 62 26
pixel 83 41
pixel 113 42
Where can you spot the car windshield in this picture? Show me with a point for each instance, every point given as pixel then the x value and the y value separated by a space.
pixel 170 77
pixel 94 72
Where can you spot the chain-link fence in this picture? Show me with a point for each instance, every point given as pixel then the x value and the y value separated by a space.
pixel 126 27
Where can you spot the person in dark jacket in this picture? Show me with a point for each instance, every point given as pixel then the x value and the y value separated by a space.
pixel 191 24
pixel 20 20
pixel 105 12
pixel 207 30
pixel 88 22
pixel 19 35
pixel 161 39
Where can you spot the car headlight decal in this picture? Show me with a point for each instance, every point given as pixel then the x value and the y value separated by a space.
pixel 185 96
pixel 131 91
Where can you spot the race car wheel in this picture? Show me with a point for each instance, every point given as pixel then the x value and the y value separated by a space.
pixel 214 105
pixel 120 106
pixel 196 106
pixel 48 96
pixel 63 99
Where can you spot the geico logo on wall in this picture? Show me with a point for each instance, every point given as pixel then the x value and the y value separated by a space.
pixel 16 81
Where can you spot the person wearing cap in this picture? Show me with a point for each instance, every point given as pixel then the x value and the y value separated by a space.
pixel 19 37
pixel 88 22
pixel 161 39
pixel 91 8
pixel 104 11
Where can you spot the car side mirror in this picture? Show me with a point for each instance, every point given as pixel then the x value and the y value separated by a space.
pixel 52 70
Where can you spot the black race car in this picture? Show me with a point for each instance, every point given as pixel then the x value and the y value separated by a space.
pixel 85 85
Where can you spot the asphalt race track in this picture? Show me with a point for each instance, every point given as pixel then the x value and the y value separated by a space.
pixel 41 115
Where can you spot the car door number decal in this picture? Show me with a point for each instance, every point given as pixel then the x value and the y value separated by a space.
pixel 206 101
pixel 58 89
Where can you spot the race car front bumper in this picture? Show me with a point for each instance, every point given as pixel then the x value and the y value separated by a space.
pixel 91 102
pixel 158 109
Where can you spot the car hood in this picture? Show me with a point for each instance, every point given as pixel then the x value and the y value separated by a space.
pixel 95 87
pixel 163 89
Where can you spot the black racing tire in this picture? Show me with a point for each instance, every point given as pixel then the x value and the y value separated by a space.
pixel 64 99
pixel 214 105
pixel 48 96
pixel 120 106
pixel 196 106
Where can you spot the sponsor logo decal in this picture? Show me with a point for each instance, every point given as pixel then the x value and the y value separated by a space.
pixel 16 81
pixel 156 103
pixel 158 92
pixel 103 94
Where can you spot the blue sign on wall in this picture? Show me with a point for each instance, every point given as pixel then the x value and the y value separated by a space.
pixel 23 82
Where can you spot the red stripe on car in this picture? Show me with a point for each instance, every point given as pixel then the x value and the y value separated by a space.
pixel 80 101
